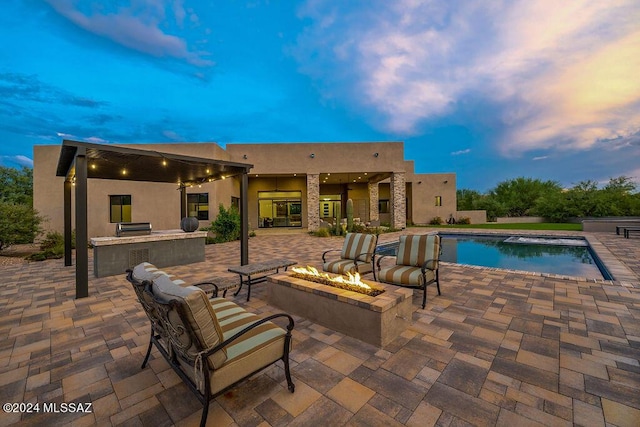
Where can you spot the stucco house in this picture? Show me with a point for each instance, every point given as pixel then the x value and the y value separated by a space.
pixel 294 185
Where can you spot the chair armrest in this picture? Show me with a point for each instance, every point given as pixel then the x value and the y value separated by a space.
pixel 364 260
pixel 326 252
pixel 381 257
pixel 247 329
pixel 215 287
pixel 425 266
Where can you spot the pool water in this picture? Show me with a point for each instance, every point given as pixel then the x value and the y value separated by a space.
pixel 570 257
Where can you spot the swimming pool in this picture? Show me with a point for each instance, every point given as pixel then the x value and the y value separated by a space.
pixel 564 256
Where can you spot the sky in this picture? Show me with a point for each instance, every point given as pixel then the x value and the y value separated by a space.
pixel 489 90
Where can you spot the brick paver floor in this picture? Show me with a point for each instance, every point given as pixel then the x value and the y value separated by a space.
pixel 496 348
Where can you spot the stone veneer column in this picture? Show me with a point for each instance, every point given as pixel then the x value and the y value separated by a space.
pixel 398 201
pixel 374 214
pixel 313 202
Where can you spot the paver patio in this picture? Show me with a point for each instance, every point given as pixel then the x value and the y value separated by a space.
pixel 497 348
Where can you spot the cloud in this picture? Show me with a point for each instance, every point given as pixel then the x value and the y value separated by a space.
pixel 139 26
pixel 17 160
pixel 557 75
pixel 457 153
pixel 535 159
pixel 27 87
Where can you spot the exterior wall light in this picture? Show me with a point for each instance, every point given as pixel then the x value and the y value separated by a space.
pixel 376 154
pixel 244 156
pixel 312 155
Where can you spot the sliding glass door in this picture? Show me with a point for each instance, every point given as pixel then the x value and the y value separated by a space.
pixel 279 209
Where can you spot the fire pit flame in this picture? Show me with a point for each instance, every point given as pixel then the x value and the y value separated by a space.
pixel 350 282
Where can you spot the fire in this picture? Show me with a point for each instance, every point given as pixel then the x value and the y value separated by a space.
pixel 350 282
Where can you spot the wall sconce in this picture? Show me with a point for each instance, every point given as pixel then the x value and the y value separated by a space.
pixel 419 182
pixel 445 181
pixel 312 155
pixel 244 156
pixel 376 154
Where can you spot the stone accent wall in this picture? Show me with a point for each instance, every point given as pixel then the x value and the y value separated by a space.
pixel 398 200
pixel 313 202
pixel 374 194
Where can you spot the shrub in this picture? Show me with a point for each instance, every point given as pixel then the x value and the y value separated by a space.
pixel 51 247
pixel 321 232
pixel 464 220
pixel 436 221
pixel 18 224
pixel 226 227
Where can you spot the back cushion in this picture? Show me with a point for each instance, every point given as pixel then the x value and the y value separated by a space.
pixel 146 271
pixel 356 244
pixel 199 313
pixel 415 250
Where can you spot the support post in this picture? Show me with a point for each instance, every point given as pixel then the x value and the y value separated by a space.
pixel 244 219
pixel 82 252
pixel 313 201
pixel 67 222
pixel 183 201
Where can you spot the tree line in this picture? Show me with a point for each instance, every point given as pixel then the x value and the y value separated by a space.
pixel 533 197
pixel 19 222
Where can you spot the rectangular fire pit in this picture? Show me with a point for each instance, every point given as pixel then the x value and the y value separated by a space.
pixel 376 320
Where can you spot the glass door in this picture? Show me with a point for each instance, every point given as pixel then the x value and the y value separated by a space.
pixel 279 209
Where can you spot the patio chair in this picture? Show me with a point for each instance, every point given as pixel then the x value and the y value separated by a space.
pixel 416 264
pixel 212 344
pixel 356 255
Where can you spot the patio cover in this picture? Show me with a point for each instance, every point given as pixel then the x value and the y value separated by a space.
pixel 82 160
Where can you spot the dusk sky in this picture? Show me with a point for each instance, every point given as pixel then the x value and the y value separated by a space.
pixel 490 90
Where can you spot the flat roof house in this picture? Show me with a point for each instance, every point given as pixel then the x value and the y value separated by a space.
pixel 301 185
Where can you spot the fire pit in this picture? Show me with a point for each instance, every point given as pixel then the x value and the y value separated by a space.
pixel 376 319
pixel 351 282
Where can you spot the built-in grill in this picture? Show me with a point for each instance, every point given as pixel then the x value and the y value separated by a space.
pixel 133 229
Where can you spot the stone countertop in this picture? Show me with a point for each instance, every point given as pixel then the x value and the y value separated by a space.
pixel 153 237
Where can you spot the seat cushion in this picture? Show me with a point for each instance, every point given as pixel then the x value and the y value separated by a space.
pixel 358 245
pixel 342 266
pixel 404 275
pixel 199 312
pixel 415 250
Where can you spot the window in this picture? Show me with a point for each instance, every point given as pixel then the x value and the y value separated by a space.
pixel 198 205
pixel 438 200
pixel 120 208
pixel 383 206
pixel 235 202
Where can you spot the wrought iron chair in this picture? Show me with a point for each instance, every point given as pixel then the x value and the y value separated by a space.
pixel 416 265
pixel 357 255
pixel 212 344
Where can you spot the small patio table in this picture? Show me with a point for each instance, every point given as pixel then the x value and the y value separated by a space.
pixel 247 271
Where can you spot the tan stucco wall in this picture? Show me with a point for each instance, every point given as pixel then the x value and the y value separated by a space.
pixel 333 157
pixel 424 189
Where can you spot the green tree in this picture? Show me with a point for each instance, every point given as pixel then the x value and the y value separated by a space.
pixel 518 197
pixel 18 224
pixel 618 196
pixel 468 199
pixel 16 185
pixel 226 226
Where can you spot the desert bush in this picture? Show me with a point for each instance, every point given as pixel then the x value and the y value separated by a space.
pixel 464 220
pixel 226 227
pixel 435 221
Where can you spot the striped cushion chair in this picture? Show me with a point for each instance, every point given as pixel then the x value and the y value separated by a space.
pixel 356 255
pixel 211 343
pixel 416 264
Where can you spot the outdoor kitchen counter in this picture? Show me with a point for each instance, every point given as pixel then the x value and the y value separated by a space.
pixel 113 255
